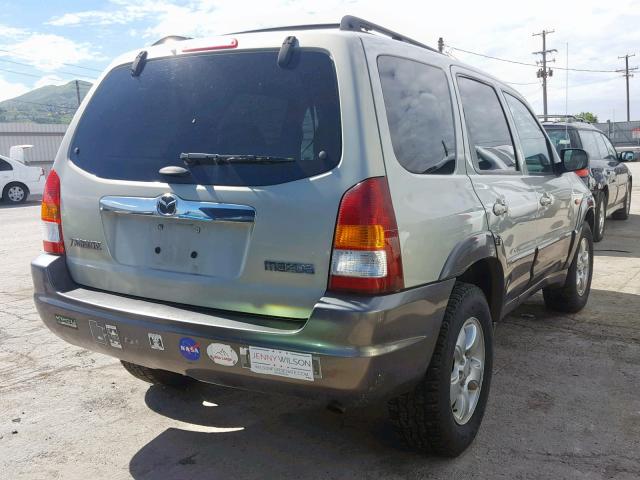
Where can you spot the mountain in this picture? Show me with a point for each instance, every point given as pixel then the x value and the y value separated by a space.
pixel 50 104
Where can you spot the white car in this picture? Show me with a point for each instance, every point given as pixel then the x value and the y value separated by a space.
pixel 18 181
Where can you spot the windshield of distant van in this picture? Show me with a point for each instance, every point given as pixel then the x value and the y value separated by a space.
pixel 233 104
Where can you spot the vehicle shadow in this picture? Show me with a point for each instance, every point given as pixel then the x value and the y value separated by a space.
pixel 620 238
pixel 224 433
pixel 31 201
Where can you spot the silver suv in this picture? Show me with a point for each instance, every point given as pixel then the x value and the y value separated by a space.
pixel 335 210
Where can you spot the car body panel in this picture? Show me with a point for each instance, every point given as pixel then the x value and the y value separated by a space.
pixel 32 177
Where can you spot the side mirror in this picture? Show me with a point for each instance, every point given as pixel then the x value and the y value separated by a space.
pixel 627 156
pixel 574 159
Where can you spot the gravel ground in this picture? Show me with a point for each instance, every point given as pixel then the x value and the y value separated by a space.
pixel 564 400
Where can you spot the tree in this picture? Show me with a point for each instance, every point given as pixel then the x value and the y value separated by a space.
pixel 588 117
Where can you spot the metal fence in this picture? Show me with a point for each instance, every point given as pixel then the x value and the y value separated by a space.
pixel 622 133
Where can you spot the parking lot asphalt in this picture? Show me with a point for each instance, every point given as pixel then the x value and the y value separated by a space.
pixel 564 400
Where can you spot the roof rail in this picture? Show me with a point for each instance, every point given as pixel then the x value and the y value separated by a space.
pixel 561 118
pixel 348 23
pixel 356 24
pixel 314 26
pixel 170 38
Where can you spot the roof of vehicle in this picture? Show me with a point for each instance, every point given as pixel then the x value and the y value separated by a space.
pixel 575 125
pixel 348 24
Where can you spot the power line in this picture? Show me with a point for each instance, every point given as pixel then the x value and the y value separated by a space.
pixel 544 72
pixel 13 52
pixel 627 75
pixel 517 62
pixel 57 72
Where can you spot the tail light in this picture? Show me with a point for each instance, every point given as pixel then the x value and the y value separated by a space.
pixel 582 173
pixel 366 247
pixel 50 212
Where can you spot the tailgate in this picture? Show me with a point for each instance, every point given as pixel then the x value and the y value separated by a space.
pixel 248 228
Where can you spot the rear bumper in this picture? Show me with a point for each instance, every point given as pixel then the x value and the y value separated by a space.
pixel 362 348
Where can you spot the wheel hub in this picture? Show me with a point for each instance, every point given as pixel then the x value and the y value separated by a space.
pixel 467 371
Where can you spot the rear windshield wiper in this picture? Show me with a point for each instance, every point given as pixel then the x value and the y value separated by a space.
pixel 218 159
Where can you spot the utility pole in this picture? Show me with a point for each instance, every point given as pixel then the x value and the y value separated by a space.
pixel 78 92
pixel 626 74
pixel 544 72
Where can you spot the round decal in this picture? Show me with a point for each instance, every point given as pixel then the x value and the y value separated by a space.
pixel 189 348
pixel 222 354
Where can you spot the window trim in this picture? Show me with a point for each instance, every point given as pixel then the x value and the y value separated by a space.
pixel 10 169
pixel 580 130
pixel 608 143
pixel 96 89
pixel 550 148
pixel 519 170
pixel 452 100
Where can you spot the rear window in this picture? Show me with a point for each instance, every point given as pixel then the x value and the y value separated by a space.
pixel 561 138
pixel 237 103
pixel 419 114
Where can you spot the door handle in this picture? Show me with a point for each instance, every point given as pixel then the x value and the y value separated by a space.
pixel 546 200
pixel 500 207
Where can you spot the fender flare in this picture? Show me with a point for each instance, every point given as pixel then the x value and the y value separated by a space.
pixel 476 247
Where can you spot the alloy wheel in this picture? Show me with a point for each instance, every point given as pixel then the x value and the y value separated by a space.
pixel 582 267
pixel 15 193
pixel 467 371
pixel 602 213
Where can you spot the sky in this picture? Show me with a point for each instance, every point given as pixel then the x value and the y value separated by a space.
pixel 52 42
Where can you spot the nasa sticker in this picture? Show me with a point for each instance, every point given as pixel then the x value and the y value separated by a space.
pixel 189 349
pixel 222 354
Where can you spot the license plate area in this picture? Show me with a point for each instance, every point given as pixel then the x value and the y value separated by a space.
pixel 202 248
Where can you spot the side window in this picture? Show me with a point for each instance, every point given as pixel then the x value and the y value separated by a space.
pixel 489 137
pixel 420 115
pixel 590 143
pixel 611 151
pixel 560 138
pixel 534 143
pixel 5 166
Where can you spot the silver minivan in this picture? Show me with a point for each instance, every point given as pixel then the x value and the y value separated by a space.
pixel 329 210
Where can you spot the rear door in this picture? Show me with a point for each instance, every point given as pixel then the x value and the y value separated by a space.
pixel 594 146
pixel 250 230
pixel 510 201
pixel 620 169
pixel 555 222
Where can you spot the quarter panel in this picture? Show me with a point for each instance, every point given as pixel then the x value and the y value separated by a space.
pixel 433 212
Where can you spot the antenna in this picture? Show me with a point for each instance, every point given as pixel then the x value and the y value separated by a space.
pixel 566 95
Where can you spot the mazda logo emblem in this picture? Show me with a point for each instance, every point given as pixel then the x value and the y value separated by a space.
pixel 167 204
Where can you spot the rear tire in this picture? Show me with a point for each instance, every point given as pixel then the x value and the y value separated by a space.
pixel 157 376
pixel 15 193
pixel 427 418
pixel 623 213
pixel 574 294
pixel 601 218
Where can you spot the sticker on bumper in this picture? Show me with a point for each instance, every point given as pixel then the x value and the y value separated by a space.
pixel 97 332
pixel 113 337
pixel 189 349
pixel 268 361
pixel 155 341
pixel 66 321
pixel 222 354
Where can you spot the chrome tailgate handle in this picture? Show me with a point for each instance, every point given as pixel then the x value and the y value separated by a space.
pixel 169 205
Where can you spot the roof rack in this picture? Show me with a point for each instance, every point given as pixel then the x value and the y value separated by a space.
pixel 347 23
pixel 170 38
pixel 356 24
pixel 561 118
